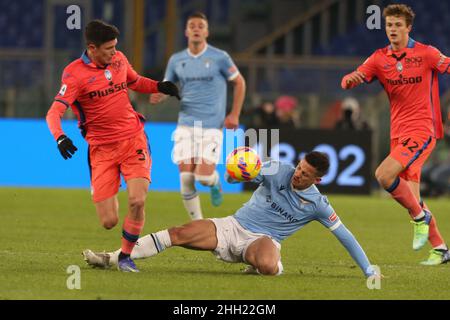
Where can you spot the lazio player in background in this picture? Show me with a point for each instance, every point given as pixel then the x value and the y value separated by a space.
pixel 202 72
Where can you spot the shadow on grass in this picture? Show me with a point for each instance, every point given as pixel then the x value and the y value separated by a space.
pixel 292 275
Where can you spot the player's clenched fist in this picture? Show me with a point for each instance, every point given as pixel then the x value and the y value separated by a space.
pixel 352 80
pixel 231 122
pixel 156 98
pixel 66 147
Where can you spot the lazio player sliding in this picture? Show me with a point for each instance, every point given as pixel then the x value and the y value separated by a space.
pixel 283 203
pixel 202 72
pixel 408 71
pixel 96 86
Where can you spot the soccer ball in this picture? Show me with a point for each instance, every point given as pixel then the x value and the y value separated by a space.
pixel 243 164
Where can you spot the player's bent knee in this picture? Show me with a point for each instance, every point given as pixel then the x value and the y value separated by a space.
pixel 267 266
pixel 384 178
pixel 207 180
pixel 136 203
pixel 110 223
pixel 268 269
pixel 379 174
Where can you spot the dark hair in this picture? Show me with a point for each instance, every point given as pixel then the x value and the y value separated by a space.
pixel 319 161
pixel 400 10
pixel 197 14
pixel 98 32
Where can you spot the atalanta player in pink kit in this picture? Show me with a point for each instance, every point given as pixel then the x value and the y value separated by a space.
pixel 408 71
pixel 96 87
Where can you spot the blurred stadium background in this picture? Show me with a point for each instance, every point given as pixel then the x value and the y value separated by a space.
pixel 295 48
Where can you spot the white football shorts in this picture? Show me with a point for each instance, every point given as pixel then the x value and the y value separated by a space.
pixel 233 240
pixel 197 143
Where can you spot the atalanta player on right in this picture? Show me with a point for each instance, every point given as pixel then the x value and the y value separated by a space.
pixel 408 71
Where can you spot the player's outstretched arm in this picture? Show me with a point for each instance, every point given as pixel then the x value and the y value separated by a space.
pixel 267 172
pixel 53 118
pixel 143 84
pixel 437 60
pixel 352 80
pixel 350 243
pixel 232 119
pixel 258 179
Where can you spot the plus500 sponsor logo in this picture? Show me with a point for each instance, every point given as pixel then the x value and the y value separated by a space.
pixel 404 81
pixel 103 93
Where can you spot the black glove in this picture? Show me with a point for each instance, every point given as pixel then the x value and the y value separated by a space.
pixel 169 88
pixel 66 147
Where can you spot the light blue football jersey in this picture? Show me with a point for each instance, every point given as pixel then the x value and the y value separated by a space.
pixel 203 85
pixel 278 210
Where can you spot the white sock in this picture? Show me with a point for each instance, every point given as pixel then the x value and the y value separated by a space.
pixel 193 207
pixel 114 257
pixel 147 246
pixel 420 215
pixel 191 200
pixel 162 239
pixel 151 245
pixel 441 247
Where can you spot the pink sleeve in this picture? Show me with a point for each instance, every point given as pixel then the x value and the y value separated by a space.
pixel 139 83
pixel 69 90
pixel 437 61
pixel 54 115
pixel 369 68
pixel 144 85
pixel 67 94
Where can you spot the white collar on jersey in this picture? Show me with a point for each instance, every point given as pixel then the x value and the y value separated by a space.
pixel 199 54
pixel 298 193
pixel 302 190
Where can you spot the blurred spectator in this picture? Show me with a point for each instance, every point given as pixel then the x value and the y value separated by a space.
pixel 287 112
pixel 351 116
pixel 331 115
pixel 436 172
pixel 265 116
pixel 447 127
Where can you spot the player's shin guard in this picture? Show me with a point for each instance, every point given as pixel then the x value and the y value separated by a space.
pixel 191 200
pixel 402 193
pixel 130 234
pixel 435 238
pixel 151 245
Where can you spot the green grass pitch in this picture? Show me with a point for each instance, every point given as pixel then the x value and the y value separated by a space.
pixel 44 231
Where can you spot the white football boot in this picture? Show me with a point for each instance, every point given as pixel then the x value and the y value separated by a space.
pixel 97 259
